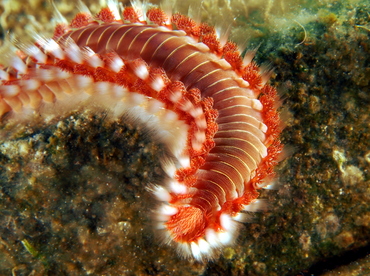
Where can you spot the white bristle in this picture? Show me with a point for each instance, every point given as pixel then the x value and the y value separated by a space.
pixel 52 47
pixel 74 52
pixel 186 106
pixel 118 91
pixel 269 185
pixel 175 96
pixel 140 8
pixel 169 168
pixel 197 146
pixel 184 249
pixel 92 58
pixel 160 224
pixel 82 7
pixel 60 74
pixel 257 205
pixel 212 238
pixel 178 188
pixel 46 94
pixel 184 161
pixel 249 56
pixel 155 106
pixel 4 75
pixel 95 61
pixel 25 99
pixel 30 84
pixel 67 87
pixel 82 82
pixel 195 112
pixel 241 217
pixel 43 74
pixel 116 64
pixel 102 87
pixel 168 7
pixel 56 90
pixel 113 6
pixel 36 53
pixel 201 122
pixel 204 246
pixel 195 250
pixel 9 90
pixel 19 65
pixel 135 99
pixel 57 16
pixel 165 212
pixel 7 53
pixel 14 103
pixel 170 116
pixel 223 30
pixel 199 136
pixel 225 238
pixel 168 210
pixel 157 84
pixel 161 193
pixel 226 222
pixel 141 71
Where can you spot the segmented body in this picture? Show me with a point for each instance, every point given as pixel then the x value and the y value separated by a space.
pixel 232 129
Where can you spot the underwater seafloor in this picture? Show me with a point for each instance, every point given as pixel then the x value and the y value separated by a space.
pixel 73 199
